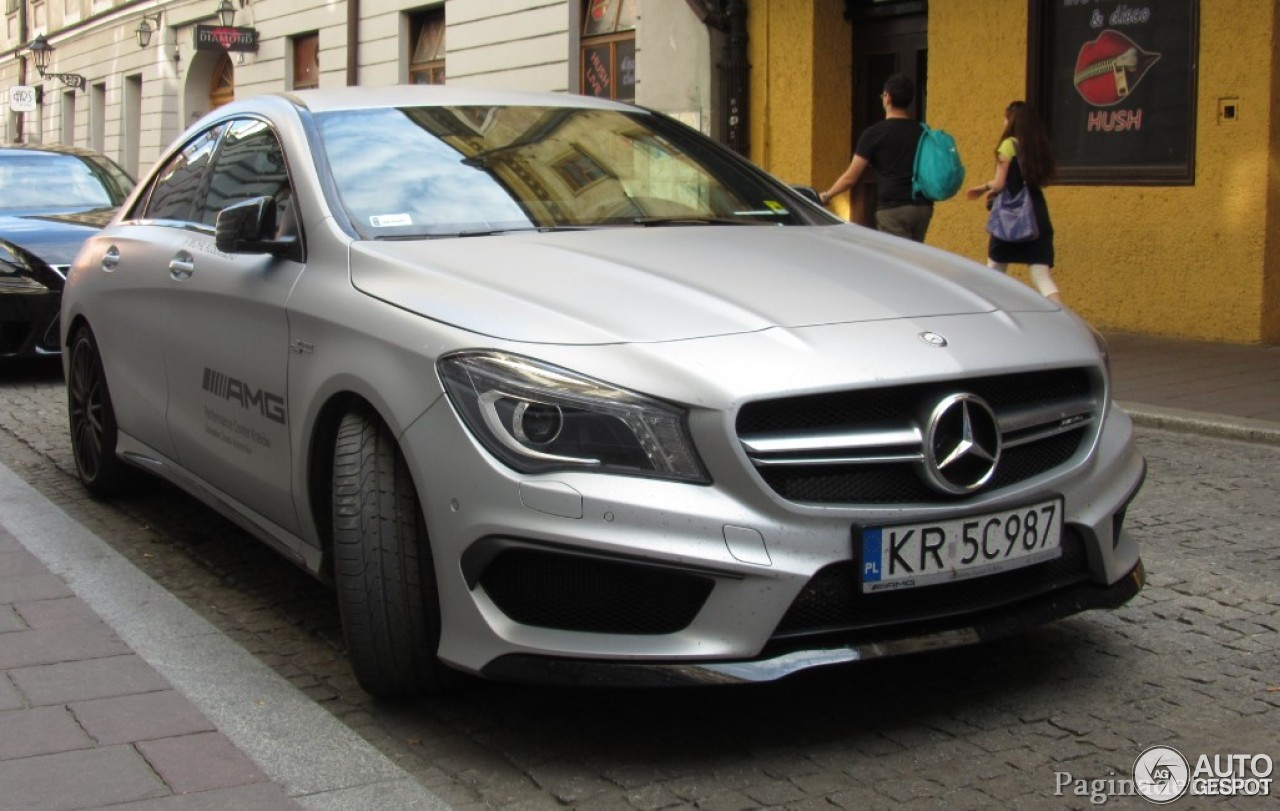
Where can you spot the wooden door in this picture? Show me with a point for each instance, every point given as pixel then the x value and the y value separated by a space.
pixel 222 88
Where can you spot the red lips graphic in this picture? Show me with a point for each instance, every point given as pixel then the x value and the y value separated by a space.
pixel 1108 68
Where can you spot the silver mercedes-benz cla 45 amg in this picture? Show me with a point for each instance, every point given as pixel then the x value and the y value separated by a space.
pixel 558 389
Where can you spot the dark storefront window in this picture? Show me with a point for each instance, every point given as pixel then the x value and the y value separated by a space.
pixel 609 49
pixel 1116 84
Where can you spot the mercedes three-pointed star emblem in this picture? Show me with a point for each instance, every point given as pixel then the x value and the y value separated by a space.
pixel 962 444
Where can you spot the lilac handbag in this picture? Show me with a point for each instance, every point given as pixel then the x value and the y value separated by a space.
pixel 1013 217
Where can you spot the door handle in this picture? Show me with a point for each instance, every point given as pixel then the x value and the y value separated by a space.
pixel 111 259
pixel 182 266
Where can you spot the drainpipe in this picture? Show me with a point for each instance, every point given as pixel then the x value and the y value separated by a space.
pixel 735 86
pixel 353 42
pixel 706 14
pixel 22 70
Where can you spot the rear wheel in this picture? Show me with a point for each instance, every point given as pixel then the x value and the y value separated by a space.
pixel 382 563
pixel 92 421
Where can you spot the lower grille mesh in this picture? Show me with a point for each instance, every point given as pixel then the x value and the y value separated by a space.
pixel 831 600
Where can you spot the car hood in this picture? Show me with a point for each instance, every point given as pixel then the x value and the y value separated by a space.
pixel 54 237
pixel 626 285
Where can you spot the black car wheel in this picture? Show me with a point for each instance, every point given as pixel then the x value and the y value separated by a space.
pixel 385 578
pixel 93 422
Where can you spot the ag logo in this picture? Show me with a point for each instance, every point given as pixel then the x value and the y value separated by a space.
pixel 1161 774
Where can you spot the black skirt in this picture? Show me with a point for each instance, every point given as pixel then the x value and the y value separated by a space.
pixel 1038 251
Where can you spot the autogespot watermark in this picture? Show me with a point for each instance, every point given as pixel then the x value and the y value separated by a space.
pixel 1162 775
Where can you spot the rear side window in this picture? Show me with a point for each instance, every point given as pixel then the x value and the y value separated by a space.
pixel 176 190
pixel 250 164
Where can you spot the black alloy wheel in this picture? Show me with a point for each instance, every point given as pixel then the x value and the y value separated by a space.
pixel 92 421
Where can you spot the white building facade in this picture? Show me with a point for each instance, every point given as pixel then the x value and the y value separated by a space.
pixel 104 89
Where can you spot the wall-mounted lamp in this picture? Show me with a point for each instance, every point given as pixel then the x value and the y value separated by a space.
pixel 146 28
pixel 226 14
pixel 40 49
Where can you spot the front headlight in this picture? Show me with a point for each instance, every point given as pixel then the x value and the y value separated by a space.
pixel 536 417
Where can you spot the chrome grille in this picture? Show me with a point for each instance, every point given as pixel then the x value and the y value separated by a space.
pixel 867 446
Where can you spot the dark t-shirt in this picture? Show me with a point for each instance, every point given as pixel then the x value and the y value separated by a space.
pixel 890 147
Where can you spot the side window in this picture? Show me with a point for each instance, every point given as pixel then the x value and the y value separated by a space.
pixel 250 164
pixel 177 186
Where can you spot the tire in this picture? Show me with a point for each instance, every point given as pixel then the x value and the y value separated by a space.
pixel 382 565
pixel 92 421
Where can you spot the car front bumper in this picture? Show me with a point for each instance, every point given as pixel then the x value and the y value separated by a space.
pixel 29 324
pixel 776 664
pixel 609 579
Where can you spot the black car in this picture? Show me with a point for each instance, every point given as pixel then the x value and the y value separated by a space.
pixel 51 198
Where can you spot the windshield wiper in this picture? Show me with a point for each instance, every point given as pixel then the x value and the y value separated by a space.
pixel 481 232
pixel 656 221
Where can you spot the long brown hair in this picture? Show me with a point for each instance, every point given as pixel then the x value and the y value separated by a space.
pixel 1035 153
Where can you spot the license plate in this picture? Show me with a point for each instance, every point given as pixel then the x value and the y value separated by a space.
pixel 910 555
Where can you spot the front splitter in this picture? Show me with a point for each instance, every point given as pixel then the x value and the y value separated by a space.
pixel 1001 622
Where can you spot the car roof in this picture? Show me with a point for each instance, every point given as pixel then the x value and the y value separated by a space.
pixel 356 98
pixel 60 149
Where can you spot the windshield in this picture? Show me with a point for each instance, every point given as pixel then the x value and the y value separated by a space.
pixel 445 171
pixel 31 181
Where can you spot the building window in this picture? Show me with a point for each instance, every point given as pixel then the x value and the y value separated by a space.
pixel 426 60
pixel 609 49
pixel 69 117
pixel 131 124
pixel 306 61
pixel 98 117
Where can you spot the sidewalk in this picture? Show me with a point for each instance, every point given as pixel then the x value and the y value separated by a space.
pixel 114 693
pixel 1225 390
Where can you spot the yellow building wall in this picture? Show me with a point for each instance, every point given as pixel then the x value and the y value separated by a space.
pixel 801 86
pixel 1199 261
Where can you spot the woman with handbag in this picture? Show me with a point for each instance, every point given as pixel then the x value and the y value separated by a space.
pixel 1020 228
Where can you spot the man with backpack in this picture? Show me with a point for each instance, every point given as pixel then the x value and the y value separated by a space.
pixel 904 203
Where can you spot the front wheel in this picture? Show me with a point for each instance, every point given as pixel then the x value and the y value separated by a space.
pixel 92 421
pixel 382 564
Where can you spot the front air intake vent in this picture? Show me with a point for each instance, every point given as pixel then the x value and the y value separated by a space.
pixel 552 589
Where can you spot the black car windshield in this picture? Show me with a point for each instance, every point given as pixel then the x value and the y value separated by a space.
pixel 47 181
pixel 460 171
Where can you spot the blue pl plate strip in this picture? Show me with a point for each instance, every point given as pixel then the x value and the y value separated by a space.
pixel 871 555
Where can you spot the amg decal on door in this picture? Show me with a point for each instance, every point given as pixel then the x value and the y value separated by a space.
pixel 226 387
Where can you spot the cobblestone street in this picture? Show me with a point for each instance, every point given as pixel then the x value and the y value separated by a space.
pixel 1193 662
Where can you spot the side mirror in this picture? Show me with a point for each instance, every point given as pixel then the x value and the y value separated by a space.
pixel 250 227
pixel 808 193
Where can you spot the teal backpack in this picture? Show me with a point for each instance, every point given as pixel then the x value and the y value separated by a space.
pixel 938 173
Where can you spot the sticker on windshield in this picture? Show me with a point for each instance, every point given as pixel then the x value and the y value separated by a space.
pixel 390 220
pixel 772 209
